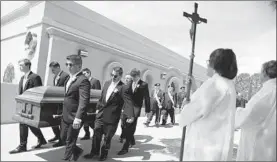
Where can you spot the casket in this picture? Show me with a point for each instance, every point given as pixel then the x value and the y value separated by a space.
pixel 42 106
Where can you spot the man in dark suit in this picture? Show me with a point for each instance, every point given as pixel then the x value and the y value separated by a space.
pixel 128 80
pixel 140 92
pixel 169 105
pixel 157 98
pixel 181 96
pixel 29 80
pixel 114 97
pixel 59 81
pixel 76 101
pixel 94 84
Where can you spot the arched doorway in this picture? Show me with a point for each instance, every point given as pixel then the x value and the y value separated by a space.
pixel 147 77
pixel 108 69
pixel 176 82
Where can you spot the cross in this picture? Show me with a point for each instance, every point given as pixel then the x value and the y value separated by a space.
pixel 195 19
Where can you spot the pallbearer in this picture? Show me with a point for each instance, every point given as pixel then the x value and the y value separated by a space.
pixel 27 81
pixel 94 84
pixel 59 81
pixel 75 105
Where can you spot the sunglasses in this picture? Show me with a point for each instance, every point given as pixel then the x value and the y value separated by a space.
pixel 114 76
pixel 69 64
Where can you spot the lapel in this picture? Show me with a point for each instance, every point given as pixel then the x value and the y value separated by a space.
pixel 105 89
pixel 59 78
pixel 77 76
pixel 27 81
pixel 113 93
pixel 138 85
pixel 21 85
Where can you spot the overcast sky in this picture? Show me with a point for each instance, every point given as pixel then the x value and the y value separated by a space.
pixel 247 27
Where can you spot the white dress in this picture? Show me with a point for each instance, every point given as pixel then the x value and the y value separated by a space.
pixel 258 125
pixel 210 119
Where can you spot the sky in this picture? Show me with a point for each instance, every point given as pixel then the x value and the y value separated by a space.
pixel 247 27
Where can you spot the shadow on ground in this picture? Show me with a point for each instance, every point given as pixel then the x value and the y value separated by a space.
pixel 173 148
pixel 141 149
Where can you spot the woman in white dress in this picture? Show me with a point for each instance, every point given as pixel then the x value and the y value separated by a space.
pixel 258 120
pixel 210 115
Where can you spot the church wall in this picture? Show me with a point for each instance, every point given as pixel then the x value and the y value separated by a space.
pixel 57 25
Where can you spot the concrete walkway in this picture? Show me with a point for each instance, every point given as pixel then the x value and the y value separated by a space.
pixel 152 144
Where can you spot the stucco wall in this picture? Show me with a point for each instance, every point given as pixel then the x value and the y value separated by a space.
pixel 8 92
pixel 108 44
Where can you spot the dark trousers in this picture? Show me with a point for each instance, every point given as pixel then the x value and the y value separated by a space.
pixel 100 129
pixel 171 113
pixel 86 128
pixel 70 135
pixel 23 129
pixel 129 131
pixel 56 131
pixel 157 114
pixel 122 135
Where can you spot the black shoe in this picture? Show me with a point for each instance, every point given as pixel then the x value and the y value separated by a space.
pixel 18 150
pixel 86 137
pixel 104 155
pixel 76 156
pixel 40 143
pixel 122 152
pixel 133 142
pixel 90 155
pixel 53 139
pixel 58 144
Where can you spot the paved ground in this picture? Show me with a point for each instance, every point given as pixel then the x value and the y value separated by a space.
pixel 153 144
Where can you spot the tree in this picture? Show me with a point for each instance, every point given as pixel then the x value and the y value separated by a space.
pixel 247 84
pixel 255 84
pixel 242 82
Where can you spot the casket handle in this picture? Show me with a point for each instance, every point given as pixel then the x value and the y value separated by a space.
pixel 28 116
pixel 57 116
pixel 91 114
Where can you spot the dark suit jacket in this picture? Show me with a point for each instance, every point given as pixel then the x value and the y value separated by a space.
pixel 180 97
pixel 110 111
pixel 154 102
pixel 76 99
pixel 33 80
pixel 95 84
pixel 63 77
pixel 141 93
pixel 167 101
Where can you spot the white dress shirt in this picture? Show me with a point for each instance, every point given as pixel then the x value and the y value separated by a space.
pixel 25 78
pixel 71 79
pixel 111 89
pixel 134 85
pixel 57 78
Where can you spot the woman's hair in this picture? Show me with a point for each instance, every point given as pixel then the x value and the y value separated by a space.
pixel 269 69
pixel 224 62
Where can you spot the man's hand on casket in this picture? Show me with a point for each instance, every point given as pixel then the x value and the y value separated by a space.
pixel 77 123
